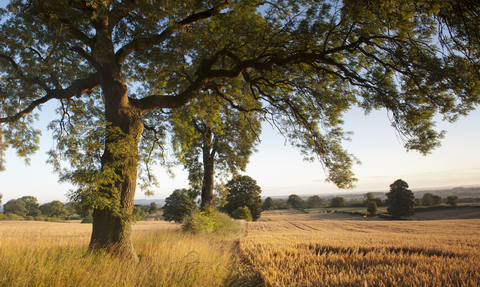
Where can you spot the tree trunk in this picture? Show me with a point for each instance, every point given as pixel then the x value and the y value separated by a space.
pixel 208 170
pixel 112 224
pixel 208 184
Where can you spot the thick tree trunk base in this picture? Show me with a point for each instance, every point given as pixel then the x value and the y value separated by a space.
pixel 112 235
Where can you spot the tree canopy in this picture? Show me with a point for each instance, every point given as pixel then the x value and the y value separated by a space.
pixel 337 201
pixel 369 196
pixel 243 191
pixel 400 199
pixel 437 200
pixel 31 203
pixel 15 206
pixel 372 208
pixel 315 201
pixel 54 209
pixel 117 68
pixel 179 205
pixel 295 201
pixel 427 199
pixel 268 204
pixel 452 200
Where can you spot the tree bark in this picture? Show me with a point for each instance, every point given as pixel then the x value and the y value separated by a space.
pixel 208 170
pixel 112 224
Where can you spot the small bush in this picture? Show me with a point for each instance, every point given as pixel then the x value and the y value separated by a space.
pixel 74 217
pixel 390 217
pixel 12 216
pixel 372 208
pixel 385 216
pixel 242 213
pixel 198 222
pixel 353 213
pixel 208 222
pixel 88 219
pixel 226 224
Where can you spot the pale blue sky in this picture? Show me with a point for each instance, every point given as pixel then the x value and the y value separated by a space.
pixel 280 170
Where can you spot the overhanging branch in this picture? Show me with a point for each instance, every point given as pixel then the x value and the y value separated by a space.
pixel 76 89
pixel 205 72
pixel 123 52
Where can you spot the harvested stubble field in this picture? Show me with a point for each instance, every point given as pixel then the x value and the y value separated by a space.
pixel 290 248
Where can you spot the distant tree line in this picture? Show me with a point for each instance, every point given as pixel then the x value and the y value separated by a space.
pixel 401 196
pixel 27 207
pixel 315 201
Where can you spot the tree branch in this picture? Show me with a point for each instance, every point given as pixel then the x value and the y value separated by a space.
pixel 22 75
pixel 123 52
pixel 205 74
pixel 77 33
pixel 76 89
pixel 82 53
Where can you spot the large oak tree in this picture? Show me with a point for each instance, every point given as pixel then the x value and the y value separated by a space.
pixel 305 62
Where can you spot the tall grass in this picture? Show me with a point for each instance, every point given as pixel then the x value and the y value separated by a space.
pixel 55 254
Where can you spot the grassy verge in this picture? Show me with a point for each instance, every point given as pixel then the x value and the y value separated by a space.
pixel 167 258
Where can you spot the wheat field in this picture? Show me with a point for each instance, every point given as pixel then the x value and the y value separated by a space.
pixel 288 248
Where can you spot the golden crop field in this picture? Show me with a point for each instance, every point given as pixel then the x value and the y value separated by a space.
pixel 287 248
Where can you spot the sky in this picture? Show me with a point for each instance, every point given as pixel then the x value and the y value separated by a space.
pixel 280 170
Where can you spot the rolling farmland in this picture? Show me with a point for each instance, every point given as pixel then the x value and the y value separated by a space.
pixel 283 248
pixel 289 248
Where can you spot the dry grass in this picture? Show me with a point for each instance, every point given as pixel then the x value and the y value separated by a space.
pixel 334 250
pixel 55 254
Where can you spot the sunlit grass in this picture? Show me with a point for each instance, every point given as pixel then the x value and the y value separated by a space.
pixel 308 251
pixel 55 254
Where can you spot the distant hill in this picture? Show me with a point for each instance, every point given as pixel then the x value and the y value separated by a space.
pixel 461 192
pixel 458 191
pixel 159 202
